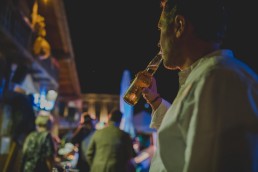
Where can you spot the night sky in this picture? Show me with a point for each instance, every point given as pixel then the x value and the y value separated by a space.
pixel 111 36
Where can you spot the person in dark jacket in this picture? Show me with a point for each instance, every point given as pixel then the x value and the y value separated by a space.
pixel 110 149
pixel 80 139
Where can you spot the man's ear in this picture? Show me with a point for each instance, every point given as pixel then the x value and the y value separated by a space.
pixel 179 25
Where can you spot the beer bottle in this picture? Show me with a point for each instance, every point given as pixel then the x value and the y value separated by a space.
pixel 142 80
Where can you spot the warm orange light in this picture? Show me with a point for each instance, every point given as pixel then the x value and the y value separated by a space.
pixel 45 1
pixel 41 48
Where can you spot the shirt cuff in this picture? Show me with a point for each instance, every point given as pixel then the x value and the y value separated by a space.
pixel 159 113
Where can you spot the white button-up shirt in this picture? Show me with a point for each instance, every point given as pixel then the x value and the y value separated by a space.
pixel 212 125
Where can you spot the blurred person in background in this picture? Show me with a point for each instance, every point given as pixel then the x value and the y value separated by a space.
pixel 110 148
pixel 19 123
pixel 80 138
pixel 38 152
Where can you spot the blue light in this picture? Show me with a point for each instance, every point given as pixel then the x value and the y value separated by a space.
pixel 40 102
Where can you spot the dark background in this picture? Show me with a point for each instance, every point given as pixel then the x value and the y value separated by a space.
pixel 111 36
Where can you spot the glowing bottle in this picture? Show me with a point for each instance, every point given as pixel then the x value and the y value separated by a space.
pixel 142 80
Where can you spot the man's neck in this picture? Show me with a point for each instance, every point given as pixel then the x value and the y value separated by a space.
pixel 197 51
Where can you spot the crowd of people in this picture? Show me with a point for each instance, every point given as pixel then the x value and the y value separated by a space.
pixel 43 148
pixel 86 149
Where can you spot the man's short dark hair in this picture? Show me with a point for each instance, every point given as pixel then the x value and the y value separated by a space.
pixel 209 17
pixel 116 115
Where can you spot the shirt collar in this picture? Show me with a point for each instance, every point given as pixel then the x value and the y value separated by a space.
pixel 185 73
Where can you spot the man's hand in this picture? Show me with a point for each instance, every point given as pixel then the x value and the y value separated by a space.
pixel 151 95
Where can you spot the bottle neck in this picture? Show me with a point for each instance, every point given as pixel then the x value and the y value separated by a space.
pixel 154 64
pixel 151 70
